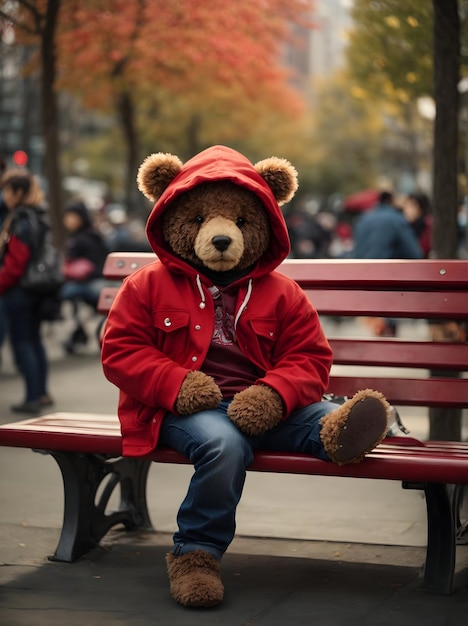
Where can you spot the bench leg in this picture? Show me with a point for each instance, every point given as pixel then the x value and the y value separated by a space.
pixel 439 569
pixel 85 520
pixel 461 524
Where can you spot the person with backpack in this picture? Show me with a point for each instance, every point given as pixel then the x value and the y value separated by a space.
pixel 23 199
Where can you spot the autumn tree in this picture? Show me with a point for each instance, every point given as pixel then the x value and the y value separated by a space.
pixel 391 46
pixel 122 56
pixel 390 57
pixel 135 55
pixel 36 21
pixel 405 49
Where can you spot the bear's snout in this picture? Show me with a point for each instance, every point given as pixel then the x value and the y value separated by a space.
pixel 221 242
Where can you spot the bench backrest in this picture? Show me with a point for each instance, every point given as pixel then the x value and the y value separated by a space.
pixel 430 290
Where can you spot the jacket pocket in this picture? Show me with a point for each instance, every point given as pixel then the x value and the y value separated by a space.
pixel 265 334
pixel 265 328
pixel 170 321
pixel 172 331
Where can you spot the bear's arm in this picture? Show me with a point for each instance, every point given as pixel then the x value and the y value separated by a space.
pixel 130 358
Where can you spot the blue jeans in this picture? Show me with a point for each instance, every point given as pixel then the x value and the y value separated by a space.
pixel 87 291
pixel 220 453
pixel 26 343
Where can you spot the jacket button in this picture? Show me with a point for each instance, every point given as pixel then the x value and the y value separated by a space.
pixel 167 321
pixel 194 358
pixel 197 327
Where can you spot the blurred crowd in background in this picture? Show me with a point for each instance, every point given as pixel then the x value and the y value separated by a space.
pixel 318 231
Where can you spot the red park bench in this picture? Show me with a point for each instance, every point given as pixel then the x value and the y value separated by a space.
pixel 87 447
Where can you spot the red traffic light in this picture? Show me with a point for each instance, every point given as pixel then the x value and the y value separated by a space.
pixel 20 158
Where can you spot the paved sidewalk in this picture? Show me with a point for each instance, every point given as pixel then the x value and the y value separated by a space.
pixel 268 582
pixel 308 549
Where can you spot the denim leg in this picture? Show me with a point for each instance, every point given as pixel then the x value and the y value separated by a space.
pixel 220 454
pixel 28 350
pixel 41 358
pixel 300 432
pixel 86 291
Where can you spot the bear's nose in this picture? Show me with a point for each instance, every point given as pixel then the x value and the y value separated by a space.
pixel 221 242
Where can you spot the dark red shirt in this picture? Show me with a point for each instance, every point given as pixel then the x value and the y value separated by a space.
pixel 225 362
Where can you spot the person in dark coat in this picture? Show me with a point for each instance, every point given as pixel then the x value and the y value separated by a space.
pixel 85 254
pixel 23 197
pixel 385 233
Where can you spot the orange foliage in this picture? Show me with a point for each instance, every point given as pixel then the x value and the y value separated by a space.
pixel 108 46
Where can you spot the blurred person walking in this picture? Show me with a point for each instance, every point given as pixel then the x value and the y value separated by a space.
pixel 385 233
pixel 85 254
pixel 23 199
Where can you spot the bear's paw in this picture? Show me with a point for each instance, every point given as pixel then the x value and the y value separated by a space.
pixel 256 410
pixel 197 393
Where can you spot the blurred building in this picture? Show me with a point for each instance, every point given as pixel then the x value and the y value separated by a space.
pixel 21 140
pixel 328 40
pixel 321 49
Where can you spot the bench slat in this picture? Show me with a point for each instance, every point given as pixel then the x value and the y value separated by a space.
pixel 333 273
pixel 435 392
pixel 100 434
pixel 446 304
pixel 383 463
pixel 434 468
pixel 377 273
pixel 400 353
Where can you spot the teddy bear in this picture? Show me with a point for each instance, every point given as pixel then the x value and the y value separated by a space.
pixel 217 353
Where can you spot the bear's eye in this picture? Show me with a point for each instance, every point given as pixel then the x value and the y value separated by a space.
pixel 240 222
pixel 199 219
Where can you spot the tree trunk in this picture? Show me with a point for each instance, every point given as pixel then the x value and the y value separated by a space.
pixel 445 423
pixel 50 121
pixel 446 78
pixel 126 113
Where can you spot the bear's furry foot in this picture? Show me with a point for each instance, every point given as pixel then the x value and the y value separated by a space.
pixel 355 428
pixel 195 579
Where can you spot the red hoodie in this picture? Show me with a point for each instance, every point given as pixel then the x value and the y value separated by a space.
pixel 161 323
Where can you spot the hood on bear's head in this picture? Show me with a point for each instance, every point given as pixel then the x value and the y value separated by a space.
pixel 215 164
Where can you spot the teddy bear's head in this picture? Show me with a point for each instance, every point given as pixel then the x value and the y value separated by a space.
pixel 219 225
pixel 215 217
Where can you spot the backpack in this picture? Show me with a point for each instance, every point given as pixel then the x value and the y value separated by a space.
pixel 43 276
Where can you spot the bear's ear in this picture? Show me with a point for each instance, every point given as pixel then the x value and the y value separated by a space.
pixel 156 173
pixel 280 176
